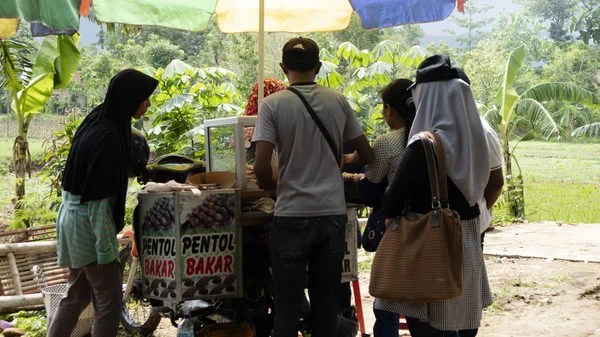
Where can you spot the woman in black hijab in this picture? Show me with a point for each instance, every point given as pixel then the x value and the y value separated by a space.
pixel 93 206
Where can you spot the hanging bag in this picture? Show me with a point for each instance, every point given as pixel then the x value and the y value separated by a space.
pixel 420 258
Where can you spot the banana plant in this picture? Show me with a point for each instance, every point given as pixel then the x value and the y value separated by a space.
pixel 31 84
pixel 590 130
pixel 523 116
pixel 186 97
pixel 373 70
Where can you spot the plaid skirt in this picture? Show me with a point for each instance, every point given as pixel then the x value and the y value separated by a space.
pixel 463 312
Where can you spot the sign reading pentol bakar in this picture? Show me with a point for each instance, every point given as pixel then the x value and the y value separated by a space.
pixel 190 245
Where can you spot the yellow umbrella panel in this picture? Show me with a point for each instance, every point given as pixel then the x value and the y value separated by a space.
pixel 8 27
pixel 293 16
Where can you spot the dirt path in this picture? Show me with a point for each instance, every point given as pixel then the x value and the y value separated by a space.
pixel 536 298
pixel 542 296
pixel 546 240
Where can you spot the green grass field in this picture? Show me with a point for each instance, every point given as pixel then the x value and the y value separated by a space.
pixel 42 126
pixel 562 181
pixel 7 178
pixel 6 151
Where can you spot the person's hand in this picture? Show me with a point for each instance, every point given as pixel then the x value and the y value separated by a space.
pixel 348 160
pixel 358 178
pixel 267 185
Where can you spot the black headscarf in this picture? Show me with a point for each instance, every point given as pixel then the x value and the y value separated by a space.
pixel 98 163
pixel 436 68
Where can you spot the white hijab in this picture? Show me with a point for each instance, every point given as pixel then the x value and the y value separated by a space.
pixel 448 109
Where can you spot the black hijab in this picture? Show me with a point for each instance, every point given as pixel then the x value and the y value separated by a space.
pixel 436 68
pixel 98 163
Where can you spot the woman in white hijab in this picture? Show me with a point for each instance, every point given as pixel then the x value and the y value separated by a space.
pixel 445 105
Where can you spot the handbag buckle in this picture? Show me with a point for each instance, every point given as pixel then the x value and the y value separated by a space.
pixel 435 218
pixel 395 225
pixel 435 203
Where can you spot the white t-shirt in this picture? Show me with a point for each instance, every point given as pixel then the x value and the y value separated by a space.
pixel 310 181
pixel 485 218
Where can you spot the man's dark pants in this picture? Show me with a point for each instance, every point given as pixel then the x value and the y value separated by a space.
pixel 319 244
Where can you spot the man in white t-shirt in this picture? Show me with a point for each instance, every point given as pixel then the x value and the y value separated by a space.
pixel 310 212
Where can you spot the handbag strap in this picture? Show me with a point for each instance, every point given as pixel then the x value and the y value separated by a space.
pixel 441 165
pixel 434 182
pixel 437 169
pixel 319 123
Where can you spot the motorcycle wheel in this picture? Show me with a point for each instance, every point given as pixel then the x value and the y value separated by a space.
pixel 136 314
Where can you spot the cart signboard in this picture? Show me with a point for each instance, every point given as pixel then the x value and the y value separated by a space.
pixel 209 246
pixel 158 242
pixel 190 245
pixel 350 263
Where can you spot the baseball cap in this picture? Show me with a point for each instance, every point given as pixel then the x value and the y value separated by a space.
pixel 302 52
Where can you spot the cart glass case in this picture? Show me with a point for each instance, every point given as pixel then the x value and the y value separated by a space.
pixel 226 147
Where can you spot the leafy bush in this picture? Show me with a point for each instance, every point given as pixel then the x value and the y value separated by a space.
pixel 131 201
pixel 35 209
pixel 186 97
pixel 33 323
pixel 4 169
pixel 57 149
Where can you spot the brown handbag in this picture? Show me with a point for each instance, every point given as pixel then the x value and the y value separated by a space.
pixel 420 260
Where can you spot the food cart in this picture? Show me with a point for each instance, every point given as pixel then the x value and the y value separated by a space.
pixel 216 131
pixel 191 241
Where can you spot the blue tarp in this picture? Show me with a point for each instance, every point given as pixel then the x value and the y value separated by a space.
pixel 389 13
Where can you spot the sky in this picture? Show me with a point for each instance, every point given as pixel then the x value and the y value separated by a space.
pixel 437 28
pixel 433 31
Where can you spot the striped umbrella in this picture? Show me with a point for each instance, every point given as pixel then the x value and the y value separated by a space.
pixel 232 16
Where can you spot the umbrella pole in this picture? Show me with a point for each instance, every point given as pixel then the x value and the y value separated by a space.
pixel 261 51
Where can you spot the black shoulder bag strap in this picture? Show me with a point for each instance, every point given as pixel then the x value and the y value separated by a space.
pixel 319 123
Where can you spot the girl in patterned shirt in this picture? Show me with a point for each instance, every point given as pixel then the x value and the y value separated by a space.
pixel 399 113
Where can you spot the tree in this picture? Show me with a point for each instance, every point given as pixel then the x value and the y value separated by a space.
pixel 577 63
pixel 519 116
pixel 473 28
pixel 558 12
pixel 485 64
pixel 407 35
pixel 367 72
pixel 31 85
pixel 160 52
pixel 587 21
pixel 96 70
pixel 192 43
pixel 366 39
pixel 245 61
pixel 509 32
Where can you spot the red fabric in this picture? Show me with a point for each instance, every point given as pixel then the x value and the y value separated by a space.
pixel 271 86
pixel 84 8
pixel 460 5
